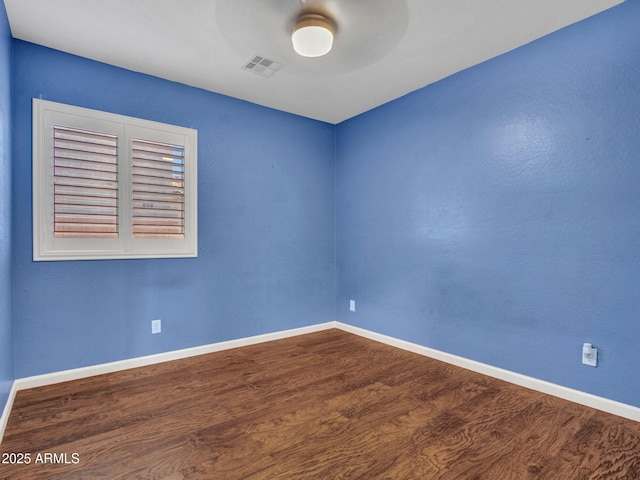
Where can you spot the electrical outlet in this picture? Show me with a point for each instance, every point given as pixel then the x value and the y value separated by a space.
pixel 589 355
pixel 352 305
pixel 156 326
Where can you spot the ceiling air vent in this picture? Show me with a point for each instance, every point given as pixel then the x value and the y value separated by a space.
pixel 262 66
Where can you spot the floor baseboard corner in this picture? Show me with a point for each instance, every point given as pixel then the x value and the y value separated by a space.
pixel 4 419
pixel 600 403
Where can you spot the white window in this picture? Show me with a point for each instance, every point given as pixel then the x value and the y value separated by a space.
pixel 111 186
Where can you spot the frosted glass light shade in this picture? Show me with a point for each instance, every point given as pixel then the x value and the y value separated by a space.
pixel 312 36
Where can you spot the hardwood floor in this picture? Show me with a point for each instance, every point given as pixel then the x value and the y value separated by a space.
pixel 328 405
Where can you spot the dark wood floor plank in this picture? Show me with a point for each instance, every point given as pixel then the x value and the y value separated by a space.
pixel 328 405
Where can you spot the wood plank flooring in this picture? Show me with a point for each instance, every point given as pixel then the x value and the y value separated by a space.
pixel 328 405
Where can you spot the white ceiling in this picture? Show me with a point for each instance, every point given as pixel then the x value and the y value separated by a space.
pixel 383 48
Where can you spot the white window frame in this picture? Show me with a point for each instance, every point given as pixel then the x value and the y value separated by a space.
pixel 46 247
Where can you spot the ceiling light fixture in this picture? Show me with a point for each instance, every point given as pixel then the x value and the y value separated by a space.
pixel 313 35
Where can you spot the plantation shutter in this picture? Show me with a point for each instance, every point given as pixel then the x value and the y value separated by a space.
pixel 108 186
pixel 158 189
pixel 85 182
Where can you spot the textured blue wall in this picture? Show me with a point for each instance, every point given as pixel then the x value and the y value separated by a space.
pixel 266 227
pixel 495 214
pixel 6 323
pixel 492 215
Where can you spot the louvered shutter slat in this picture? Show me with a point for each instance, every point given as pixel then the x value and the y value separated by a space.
pixel 85 209
pixel 84 191
pixel 61 172
pixel 85 165
pixel 85 184
pixel 93 228
pixel 86 219
pixel 150 188
pixel 156 205
pixel 152 211
pixel 157 189
pixel 160 221
pixel 157 181
pixel 161 197
pixel 86 200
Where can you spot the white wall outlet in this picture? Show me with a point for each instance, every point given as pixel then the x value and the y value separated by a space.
pixel 352 305
pixel 156 326
pixel 589 355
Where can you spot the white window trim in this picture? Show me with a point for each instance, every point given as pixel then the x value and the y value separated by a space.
pixel 46 247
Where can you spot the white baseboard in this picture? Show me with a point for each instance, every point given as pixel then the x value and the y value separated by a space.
pixel 7 410
pixel 577 396
pixel 90 371
pixel 582 398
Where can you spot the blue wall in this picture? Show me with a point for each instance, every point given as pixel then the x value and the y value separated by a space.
pixel 6 316
pixel 266 227
pixel 492 215
pixel 496 214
